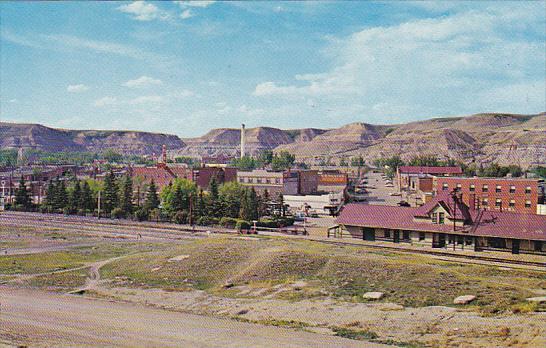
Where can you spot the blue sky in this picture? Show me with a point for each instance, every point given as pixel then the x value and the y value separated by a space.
pixel 185 68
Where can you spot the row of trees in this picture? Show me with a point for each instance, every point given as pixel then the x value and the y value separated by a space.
pixel 491 170
pixel 279 161
pixel 229 204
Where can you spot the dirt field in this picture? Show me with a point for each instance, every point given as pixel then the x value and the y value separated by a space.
pixel 306 285
pixel 60 320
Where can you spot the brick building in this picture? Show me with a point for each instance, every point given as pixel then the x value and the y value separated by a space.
pixel 518 195
pixel 162 174
pixel 332 181
pixel 308 181
pixel 203 176
pixel 408 176
pixel 274 182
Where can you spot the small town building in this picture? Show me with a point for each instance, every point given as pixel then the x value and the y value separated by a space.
pixel 204 175
pixel 408 176
pixel 519 195
pixel 325 204
pixel 445 222
pixel 332 181
pixel 275 183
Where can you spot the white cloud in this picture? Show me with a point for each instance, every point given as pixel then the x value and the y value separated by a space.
pixel 438 63
pixel 77 88
pixel 186 14
pixel 106 47
pixel 146 99
pixel 142 82
pixel 143 11
pixel 195 3
pixel 105 101
pixel 182 94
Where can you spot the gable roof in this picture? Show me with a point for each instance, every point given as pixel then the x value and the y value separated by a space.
pixel 429 170
pixel 459 211
pixel 487 223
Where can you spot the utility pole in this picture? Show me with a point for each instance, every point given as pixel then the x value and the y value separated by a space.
pixel 191 210
pixel 98 204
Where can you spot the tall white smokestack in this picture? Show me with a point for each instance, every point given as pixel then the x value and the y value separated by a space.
pixel 242 140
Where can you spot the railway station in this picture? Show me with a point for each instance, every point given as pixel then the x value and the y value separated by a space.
pixel 444 222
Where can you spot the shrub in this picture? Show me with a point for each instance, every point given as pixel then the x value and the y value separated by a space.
pixel 117 213
pixel 141 214
pixel 66 211
pixel 181 217
pixel 155 214
pixel 207 221
pixel 242 225
pixel 228 222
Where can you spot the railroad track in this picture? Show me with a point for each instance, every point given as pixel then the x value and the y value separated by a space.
pixel 501 261
pixel 169 232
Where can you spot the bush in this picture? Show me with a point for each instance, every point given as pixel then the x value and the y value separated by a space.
pixel 155 214
pixel 81 212
pixel 181 217
pixel 275 222
pixel 141 214
pixel 242 225
pixel 66 211
pixel 207 221
pixel 228 222
pixel 117 213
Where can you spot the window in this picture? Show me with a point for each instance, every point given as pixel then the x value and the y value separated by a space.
pixel 405 235
pixel 445 186
pixel 512 203
pixel 241 180
pixel 498 202
pixel 421 235
pixel 434 218
pixel 441 218
pixel 498 189
pixel 527 204
pixel 259 180
pixel 485 202
pixel 485 188
pixel 387 233
pixel 512 189
pixel 472 188
pixel 277 181
pixel 528 189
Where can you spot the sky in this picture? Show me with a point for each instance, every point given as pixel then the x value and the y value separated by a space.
pixel 187 67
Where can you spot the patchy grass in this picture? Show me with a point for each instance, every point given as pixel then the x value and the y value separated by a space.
pixel 64 281
pixel 364 335
pixel 346 272
pixel 66 259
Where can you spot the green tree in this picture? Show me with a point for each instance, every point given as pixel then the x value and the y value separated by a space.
pixel 87 202
pixel 111 198
pixel 61 195
pixel 176 196
pixel 22 195
pixel 152 200
pixel 282 161
pixel 357 161
pixel 265 157
pixel 126 196
pixel 230 194
pixel 245 163
pixel 74 198
pixel 214 207
pixel 50 199
pixel 112 156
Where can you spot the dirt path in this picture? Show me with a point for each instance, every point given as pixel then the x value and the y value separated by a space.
pixel 63 320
